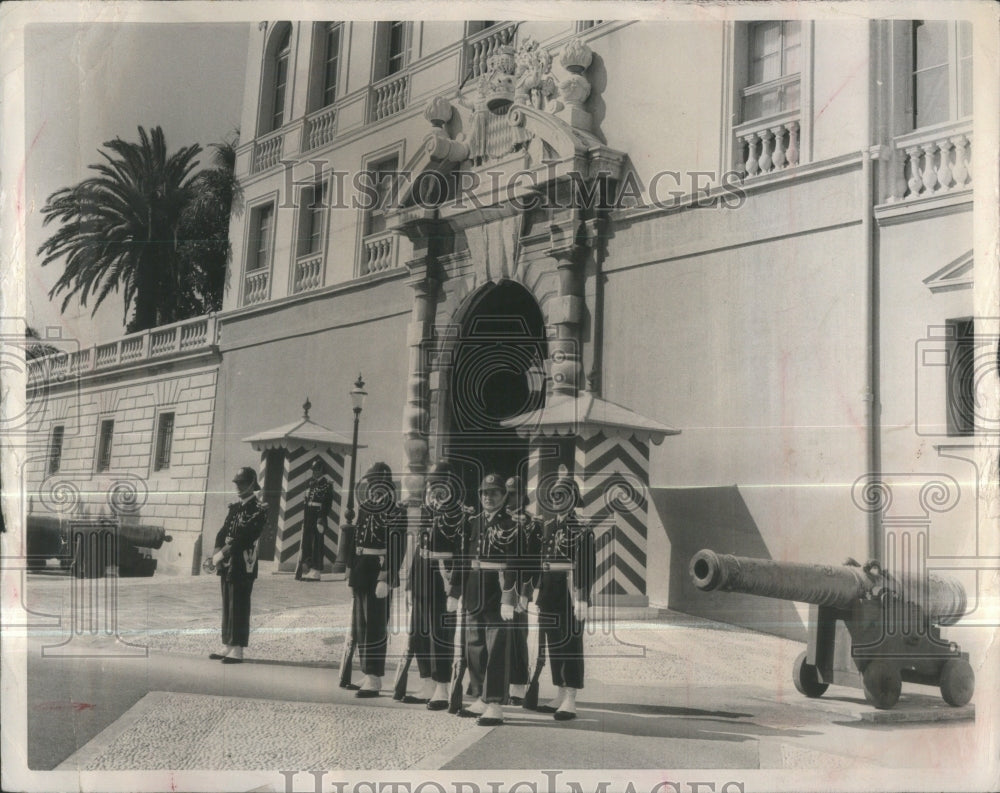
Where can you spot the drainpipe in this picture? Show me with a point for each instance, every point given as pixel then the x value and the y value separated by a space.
pixel 872 396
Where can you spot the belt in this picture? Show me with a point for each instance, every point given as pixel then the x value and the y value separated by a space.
pixel 483 565
pixel 314 504
pixel 429 554
pixel 557 567
pixel 371 551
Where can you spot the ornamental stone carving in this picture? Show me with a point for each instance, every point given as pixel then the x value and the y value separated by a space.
pixel 576 57
pixel 438 111
pixel 534 83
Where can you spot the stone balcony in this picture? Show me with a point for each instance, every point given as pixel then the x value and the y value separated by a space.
pixel 189 337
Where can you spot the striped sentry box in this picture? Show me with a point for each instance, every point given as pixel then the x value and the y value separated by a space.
pixel 613 473
pixel 291 507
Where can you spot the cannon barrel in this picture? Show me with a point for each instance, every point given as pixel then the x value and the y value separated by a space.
pixel 52 527
pixel 942 599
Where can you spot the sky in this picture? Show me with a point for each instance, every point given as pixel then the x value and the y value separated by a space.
pixel 87 84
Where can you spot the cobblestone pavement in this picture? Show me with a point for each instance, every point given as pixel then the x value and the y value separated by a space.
pixel 668 691
pixel 283 735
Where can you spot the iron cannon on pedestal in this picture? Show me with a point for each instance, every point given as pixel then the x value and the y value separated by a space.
pixel 88 546
pixel 891 623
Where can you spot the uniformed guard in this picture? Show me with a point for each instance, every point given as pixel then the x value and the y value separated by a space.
pixel 235 561
pixel 380 539
pixel 443 520
pixel 319 500
pixel 531 531
pixel 563 596
pixel 488 588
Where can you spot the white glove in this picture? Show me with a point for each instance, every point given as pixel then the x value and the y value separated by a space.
pixel 580 610
pixel 217 558
pixel 532 607
pixel 381 590
pixel 452 605
pixel 522 604
pixel 506 612
pixel 409 599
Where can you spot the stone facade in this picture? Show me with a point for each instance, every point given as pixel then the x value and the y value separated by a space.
pixel 138 395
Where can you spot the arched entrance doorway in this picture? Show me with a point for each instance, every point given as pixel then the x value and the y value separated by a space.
pixel 497 373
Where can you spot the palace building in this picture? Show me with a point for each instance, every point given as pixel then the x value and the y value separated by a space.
pixel 736 299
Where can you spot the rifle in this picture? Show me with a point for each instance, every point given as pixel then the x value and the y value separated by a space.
pixel 403 670
pixel 531 696
pixel 347 660
pixel 458 666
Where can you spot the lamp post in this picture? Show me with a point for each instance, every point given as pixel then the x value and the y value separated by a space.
pixel 358 395
pixel 345 546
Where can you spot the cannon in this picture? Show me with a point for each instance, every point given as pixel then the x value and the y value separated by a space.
pixel 887 626
pixel 89 546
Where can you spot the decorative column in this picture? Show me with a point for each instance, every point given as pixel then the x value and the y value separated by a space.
pixel 565 312
pixel 416 415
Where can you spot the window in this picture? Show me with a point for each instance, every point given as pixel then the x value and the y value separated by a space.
pixel 275 74
pixel 942 71
pixel 773 84
pixel 280 80
pixel 382 175
pixel 479 25
pixel 396 58
pixel 164 440
pixel 104 445
pixel 392 48
pixel 55 448
pixel 331 62
pixel 961 377
pixel 262 229
pixel 311 220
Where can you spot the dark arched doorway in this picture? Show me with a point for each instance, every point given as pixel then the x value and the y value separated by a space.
pixel 497 373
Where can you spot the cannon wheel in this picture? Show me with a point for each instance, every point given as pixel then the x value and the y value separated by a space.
pixel 957 682
pixel 882 683
pixel 806 678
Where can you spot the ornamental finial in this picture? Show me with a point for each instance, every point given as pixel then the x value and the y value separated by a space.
pixel 305 408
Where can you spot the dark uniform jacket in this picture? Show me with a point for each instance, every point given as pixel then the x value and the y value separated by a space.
pixel 239 533
pixel 319 500
pixel 566 543
pixel 530 564
pixel 489 543
pixel 380 528
pixel 440 538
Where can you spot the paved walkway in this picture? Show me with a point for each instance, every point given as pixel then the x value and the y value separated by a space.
pixel 667 692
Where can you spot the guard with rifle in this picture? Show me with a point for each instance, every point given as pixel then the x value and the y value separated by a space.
pixel 563 595
pixel 531 531
pixel 379 546
pixel 443 520
pixel 486 578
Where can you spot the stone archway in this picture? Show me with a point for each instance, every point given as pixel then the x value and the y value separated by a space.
pixel 493 371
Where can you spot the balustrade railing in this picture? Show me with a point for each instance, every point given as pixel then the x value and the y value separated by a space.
pixel 308 273
pixel 186 336
pixel 931 161
pixel 377 253
pixel 767 145
pixel 320 128
pixel 256 287
pixel 267 152
pixel 480 47
pixel 388 97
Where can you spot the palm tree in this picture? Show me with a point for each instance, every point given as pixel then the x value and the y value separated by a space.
pixel 204 247
pixel 120 229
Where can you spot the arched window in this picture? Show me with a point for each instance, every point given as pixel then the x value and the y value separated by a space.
pixel 324 74
pixel 274 93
